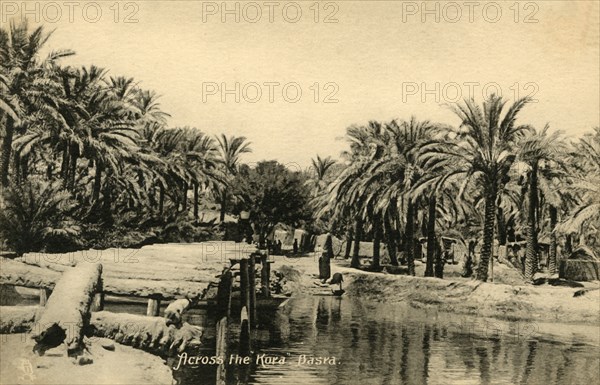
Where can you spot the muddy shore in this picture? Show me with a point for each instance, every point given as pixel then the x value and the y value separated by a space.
pixel 507 299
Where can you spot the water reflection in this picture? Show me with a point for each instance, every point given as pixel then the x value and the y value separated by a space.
pixel 382 344
pixel 385 344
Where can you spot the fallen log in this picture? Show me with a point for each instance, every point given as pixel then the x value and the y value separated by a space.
pixel 142 332
pixel 67 312
pixel 18 319
pixel 147 333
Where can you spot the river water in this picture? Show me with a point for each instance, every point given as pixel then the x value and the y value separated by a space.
pixel 384 344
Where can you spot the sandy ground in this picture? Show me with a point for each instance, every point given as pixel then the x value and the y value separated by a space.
pixel 507 298
pixel 123 365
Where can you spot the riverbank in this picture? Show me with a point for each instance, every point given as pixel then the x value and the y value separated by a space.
pixel 507 299
pixel 105 362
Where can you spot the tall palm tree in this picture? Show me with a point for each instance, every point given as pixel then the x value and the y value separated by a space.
pixel 348 195
pixel 483 150
pixel 20 85
pixel 230 150
pixel 200 160
pixel 542 153
pixel 397 172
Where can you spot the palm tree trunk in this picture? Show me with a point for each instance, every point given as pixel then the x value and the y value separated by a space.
pixel 73 170
pixel 409 246
pixel 64 167
pixel 348 244
pixel 6 150
pixel 431 235
pixel 531 257
pixel 553 245
pixel 184 204
pixel 439 260
pixel 17 168
pixel 502 234
pixel 355 263
pixel 196 201
pixel 161 198
pixel 223 203
pixel 391 243
pixel 488 232
pixel 97 181
pixel 376 244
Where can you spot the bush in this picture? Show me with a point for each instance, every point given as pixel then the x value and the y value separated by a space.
pixel 36 215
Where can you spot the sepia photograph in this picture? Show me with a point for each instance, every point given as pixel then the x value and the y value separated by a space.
pixel 346 192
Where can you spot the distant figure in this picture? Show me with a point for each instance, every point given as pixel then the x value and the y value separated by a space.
pixel 295 246
pixel 337 278
pixel 279 246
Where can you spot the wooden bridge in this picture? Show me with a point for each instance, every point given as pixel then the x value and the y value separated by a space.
pixel 209 271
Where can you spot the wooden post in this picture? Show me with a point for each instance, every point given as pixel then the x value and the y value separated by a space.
pixel 252 289
pixel 244 284
pixel 44 294
pixel 245 343
pixel 265 276
pixel 98 304
pixel 223 313
pixel 153 307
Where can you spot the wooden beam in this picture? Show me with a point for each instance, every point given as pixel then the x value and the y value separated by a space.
pixel 67 311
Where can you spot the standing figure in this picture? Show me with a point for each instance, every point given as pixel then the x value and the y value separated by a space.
pixel 295 246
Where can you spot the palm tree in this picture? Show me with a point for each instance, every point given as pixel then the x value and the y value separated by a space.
pixel 199 153
pixel 319 167
pixel 21 87
pixel 230 150
pixel 586 165
pixel 348 195
pixel 483 151
pixel 397 171
pixel 542 153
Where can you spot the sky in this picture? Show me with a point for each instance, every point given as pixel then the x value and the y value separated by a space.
pixel 352 61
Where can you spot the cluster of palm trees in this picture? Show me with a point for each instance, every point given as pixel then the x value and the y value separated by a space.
pixel 101 138
pixel 490 179
pixel 102 142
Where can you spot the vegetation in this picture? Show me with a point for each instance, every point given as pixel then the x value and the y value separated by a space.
pixel 88 160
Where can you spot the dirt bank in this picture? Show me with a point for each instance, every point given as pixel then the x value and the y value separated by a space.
pixel 112 364
pixel 509 301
